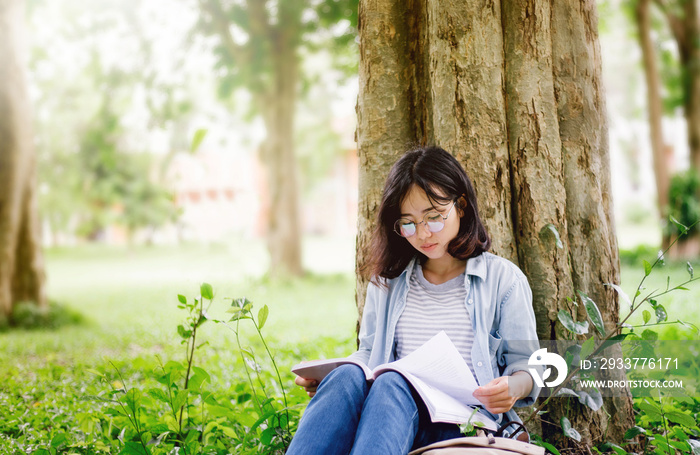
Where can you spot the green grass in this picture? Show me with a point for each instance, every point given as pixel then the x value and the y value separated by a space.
pixel 129 302
pixel 129 298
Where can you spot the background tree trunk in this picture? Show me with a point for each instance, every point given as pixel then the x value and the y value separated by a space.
pixel 272 54
pixel 654 104
pixel 21 261
pixel 283 234
pixel 514 91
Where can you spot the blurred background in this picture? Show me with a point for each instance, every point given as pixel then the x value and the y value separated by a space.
pixel 181 142
pixel 189 141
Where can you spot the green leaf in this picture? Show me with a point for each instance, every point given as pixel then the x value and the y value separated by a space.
pixel 199 376
pixel 646 315
pixel 634 432
pixel 159 395
pixel 553 230
pixel 133 448
pixel 197 139
pixel 266 436
pixel 182 299
pixel 681 418
pixel 563 392
pixel 647 268
pixel 681 227
pixel 592 399
pixel 650 335
pixel 682 446
pixel 689 267
pixel 180 399
pixel 623 295
pixel 609 446
pixel 651 410
pixel 95 372
pixel 550 448
pixel 262 316
pixel 567 321
pixel 593 313
pixel 185 334
pixel 587 348
pixel 568 430
pixel 59 440
pixel 661 314
pixel 206 291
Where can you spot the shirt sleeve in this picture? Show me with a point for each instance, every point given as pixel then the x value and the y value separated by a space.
pixel 368 327
pixel 518 330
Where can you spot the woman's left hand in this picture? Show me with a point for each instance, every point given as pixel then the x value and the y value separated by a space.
pixel 495 397
pixel 499 395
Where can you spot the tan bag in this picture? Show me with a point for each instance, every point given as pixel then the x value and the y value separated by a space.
pixel 480 445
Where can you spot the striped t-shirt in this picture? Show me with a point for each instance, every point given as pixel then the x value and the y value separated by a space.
pixel 431 308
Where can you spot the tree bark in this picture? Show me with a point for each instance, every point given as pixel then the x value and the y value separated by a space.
pixel 583 131
pixel 21 260
pixel 514 91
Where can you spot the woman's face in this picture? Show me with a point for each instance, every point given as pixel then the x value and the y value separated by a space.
pixel 432 244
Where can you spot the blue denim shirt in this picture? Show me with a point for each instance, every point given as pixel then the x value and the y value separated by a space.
pixel 499 303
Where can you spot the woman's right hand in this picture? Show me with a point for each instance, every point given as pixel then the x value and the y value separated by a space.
pixel 309 385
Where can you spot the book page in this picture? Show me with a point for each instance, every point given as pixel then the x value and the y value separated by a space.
pixel 439 364
pixel 319 369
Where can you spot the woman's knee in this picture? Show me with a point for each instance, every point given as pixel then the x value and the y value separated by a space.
pixel 391 380
pixel 349 378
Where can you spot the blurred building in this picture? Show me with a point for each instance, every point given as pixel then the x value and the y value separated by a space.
pixel 219 194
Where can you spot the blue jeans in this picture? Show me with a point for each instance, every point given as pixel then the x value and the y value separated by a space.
pixel 348 416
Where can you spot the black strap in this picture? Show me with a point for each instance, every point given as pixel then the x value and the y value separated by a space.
pixel 518 428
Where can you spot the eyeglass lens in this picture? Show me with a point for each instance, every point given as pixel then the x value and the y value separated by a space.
pixel 434 222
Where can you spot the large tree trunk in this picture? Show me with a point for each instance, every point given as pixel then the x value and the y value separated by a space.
pixel 514 90
pixel 651 73
pixel 21 262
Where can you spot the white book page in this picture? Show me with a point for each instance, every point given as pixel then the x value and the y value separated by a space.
pixel 439 364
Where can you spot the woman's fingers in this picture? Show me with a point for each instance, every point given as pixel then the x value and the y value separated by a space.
pixel 309 385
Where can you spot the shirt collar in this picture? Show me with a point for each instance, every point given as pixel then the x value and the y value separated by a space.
pixel 475 266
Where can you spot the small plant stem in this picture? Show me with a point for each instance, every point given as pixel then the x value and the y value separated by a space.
pixel 663 417
pixel 190 359
pixel 677 321
pixel 245 365
pixel 132 419
pixel 277 371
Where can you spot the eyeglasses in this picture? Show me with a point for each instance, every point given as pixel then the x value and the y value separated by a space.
pixel 434 221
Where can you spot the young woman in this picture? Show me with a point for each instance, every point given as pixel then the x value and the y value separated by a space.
pixel 430 272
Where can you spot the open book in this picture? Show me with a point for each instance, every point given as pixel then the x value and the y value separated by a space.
pixel 436 370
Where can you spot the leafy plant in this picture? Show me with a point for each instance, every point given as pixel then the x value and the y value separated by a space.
pixel 684 203
pixel 576 354
pixel 274 422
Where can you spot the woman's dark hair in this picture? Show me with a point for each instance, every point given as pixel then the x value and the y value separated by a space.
pixel 444 180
